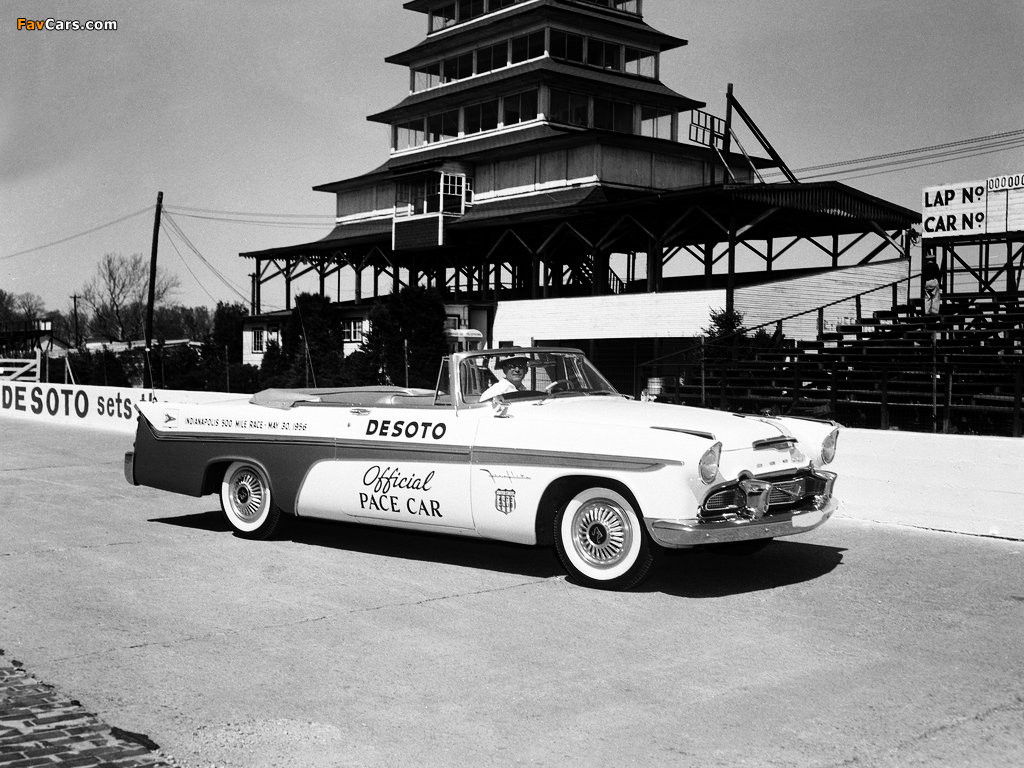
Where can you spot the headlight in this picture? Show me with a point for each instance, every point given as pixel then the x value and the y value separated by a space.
pixel 828 448
pixel 708 464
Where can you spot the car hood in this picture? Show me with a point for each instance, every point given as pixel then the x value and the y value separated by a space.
pixel 733 430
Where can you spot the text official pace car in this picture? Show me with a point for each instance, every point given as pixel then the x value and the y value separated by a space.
pixel 528 445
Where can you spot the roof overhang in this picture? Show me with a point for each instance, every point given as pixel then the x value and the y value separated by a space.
pixel 757 211
pixel 520 19
pixel 357 235
pixel 522 76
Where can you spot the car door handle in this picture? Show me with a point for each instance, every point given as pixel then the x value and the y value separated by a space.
pixel 359 411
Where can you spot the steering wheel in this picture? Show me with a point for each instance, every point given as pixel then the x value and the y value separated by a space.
pixel 560 385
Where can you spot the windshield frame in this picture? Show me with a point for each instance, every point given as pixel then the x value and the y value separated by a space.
pixel 474 372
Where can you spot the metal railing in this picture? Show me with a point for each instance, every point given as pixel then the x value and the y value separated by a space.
pixel 958 373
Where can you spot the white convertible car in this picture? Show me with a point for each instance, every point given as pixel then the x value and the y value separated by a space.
pixel 528 445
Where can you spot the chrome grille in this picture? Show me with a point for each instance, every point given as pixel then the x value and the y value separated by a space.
pixel 787 491
pixel 727 499
pixel 785 495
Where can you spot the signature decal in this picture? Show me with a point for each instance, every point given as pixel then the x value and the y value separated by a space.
pixel 406 429
pixel 507 475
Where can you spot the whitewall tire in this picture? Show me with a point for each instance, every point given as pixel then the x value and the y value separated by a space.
pixel 601 540
pixel 246 501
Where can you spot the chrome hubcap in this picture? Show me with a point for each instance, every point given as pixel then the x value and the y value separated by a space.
pixel 601 533
pixel 247 493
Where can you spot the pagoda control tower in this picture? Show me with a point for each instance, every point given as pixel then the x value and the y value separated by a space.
pixel 537 154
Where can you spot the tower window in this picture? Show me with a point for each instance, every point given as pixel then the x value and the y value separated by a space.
pixel 492 57
pixel 520 107
pixel 655 122
pixel 567 46
pixel 443 17
pixel 443 126
pixel 482 117
pixel 527 47
pixel 640 62
pixel 408 135
pixel 458 67
pixel 604 55
pixel 613 115
pixel 567 107
pixel 470 9
pixel 427 77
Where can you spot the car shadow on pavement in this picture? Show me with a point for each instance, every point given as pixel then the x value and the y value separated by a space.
pixel 482 554
pixel 706 572
pixel 696 573
pixel 464 552
pixel 200 521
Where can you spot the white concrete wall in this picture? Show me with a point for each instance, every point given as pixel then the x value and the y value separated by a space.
pixel 684 314
pixel 942 482
pixel 955 483
pixel 108 408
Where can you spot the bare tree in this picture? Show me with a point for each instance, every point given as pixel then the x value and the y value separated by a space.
pixel 30 306
pixel 117 295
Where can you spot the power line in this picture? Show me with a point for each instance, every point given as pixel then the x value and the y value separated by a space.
pixel 174 227
pixel 253 223
pixel 185 264
pixel 180 208
pixel 924 162
pixel 80 234
pixel 936 153
pixel 1019 134
pixel 934 158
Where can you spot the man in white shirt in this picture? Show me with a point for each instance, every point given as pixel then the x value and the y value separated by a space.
pixel 514 369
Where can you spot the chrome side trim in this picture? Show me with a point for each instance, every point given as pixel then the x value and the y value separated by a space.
pixel 240 438
pixel 393 450
pixel 566 460
pixel 694 432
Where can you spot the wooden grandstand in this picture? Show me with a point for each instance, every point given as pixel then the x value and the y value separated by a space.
pixel 960 371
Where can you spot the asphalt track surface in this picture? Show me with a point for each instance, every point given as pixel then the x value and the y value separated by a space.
pixel 855 645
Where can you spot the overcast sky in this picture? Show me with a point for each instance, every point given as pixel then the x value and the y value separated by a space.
pixel 244 106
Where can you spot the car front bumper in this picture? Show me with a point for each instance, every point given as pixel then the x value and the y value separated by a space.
pixel 758 524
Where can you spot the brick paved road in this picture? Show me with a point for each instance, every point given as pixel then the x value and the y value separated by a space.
pixel 40 726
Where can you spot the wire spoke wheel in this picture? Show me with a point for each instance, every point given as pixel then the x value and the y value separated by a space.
pixel 601 533
pixel 601 540
pixel 247 495
pixel 246 501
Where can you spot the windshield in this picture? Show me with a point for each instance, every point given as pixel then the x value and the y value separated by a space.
pixel 520 374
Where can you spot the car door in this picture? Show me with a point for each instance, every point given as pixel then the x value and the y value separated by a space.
pixel 399 466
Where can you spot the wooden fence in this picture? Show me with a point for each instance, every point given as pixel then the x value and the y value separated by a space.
pixel 24 369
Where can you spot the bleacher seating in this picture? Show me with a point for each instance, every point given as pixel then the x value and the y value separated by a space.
pixel 960 371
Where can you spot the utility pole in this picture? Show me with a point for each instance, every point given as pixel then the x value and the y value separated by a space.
pixel 727 139
pixel 148 369
pixel 74 300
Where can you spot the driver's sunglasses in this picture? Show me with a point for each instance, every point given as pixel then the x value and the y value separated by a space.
pixel 518 367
